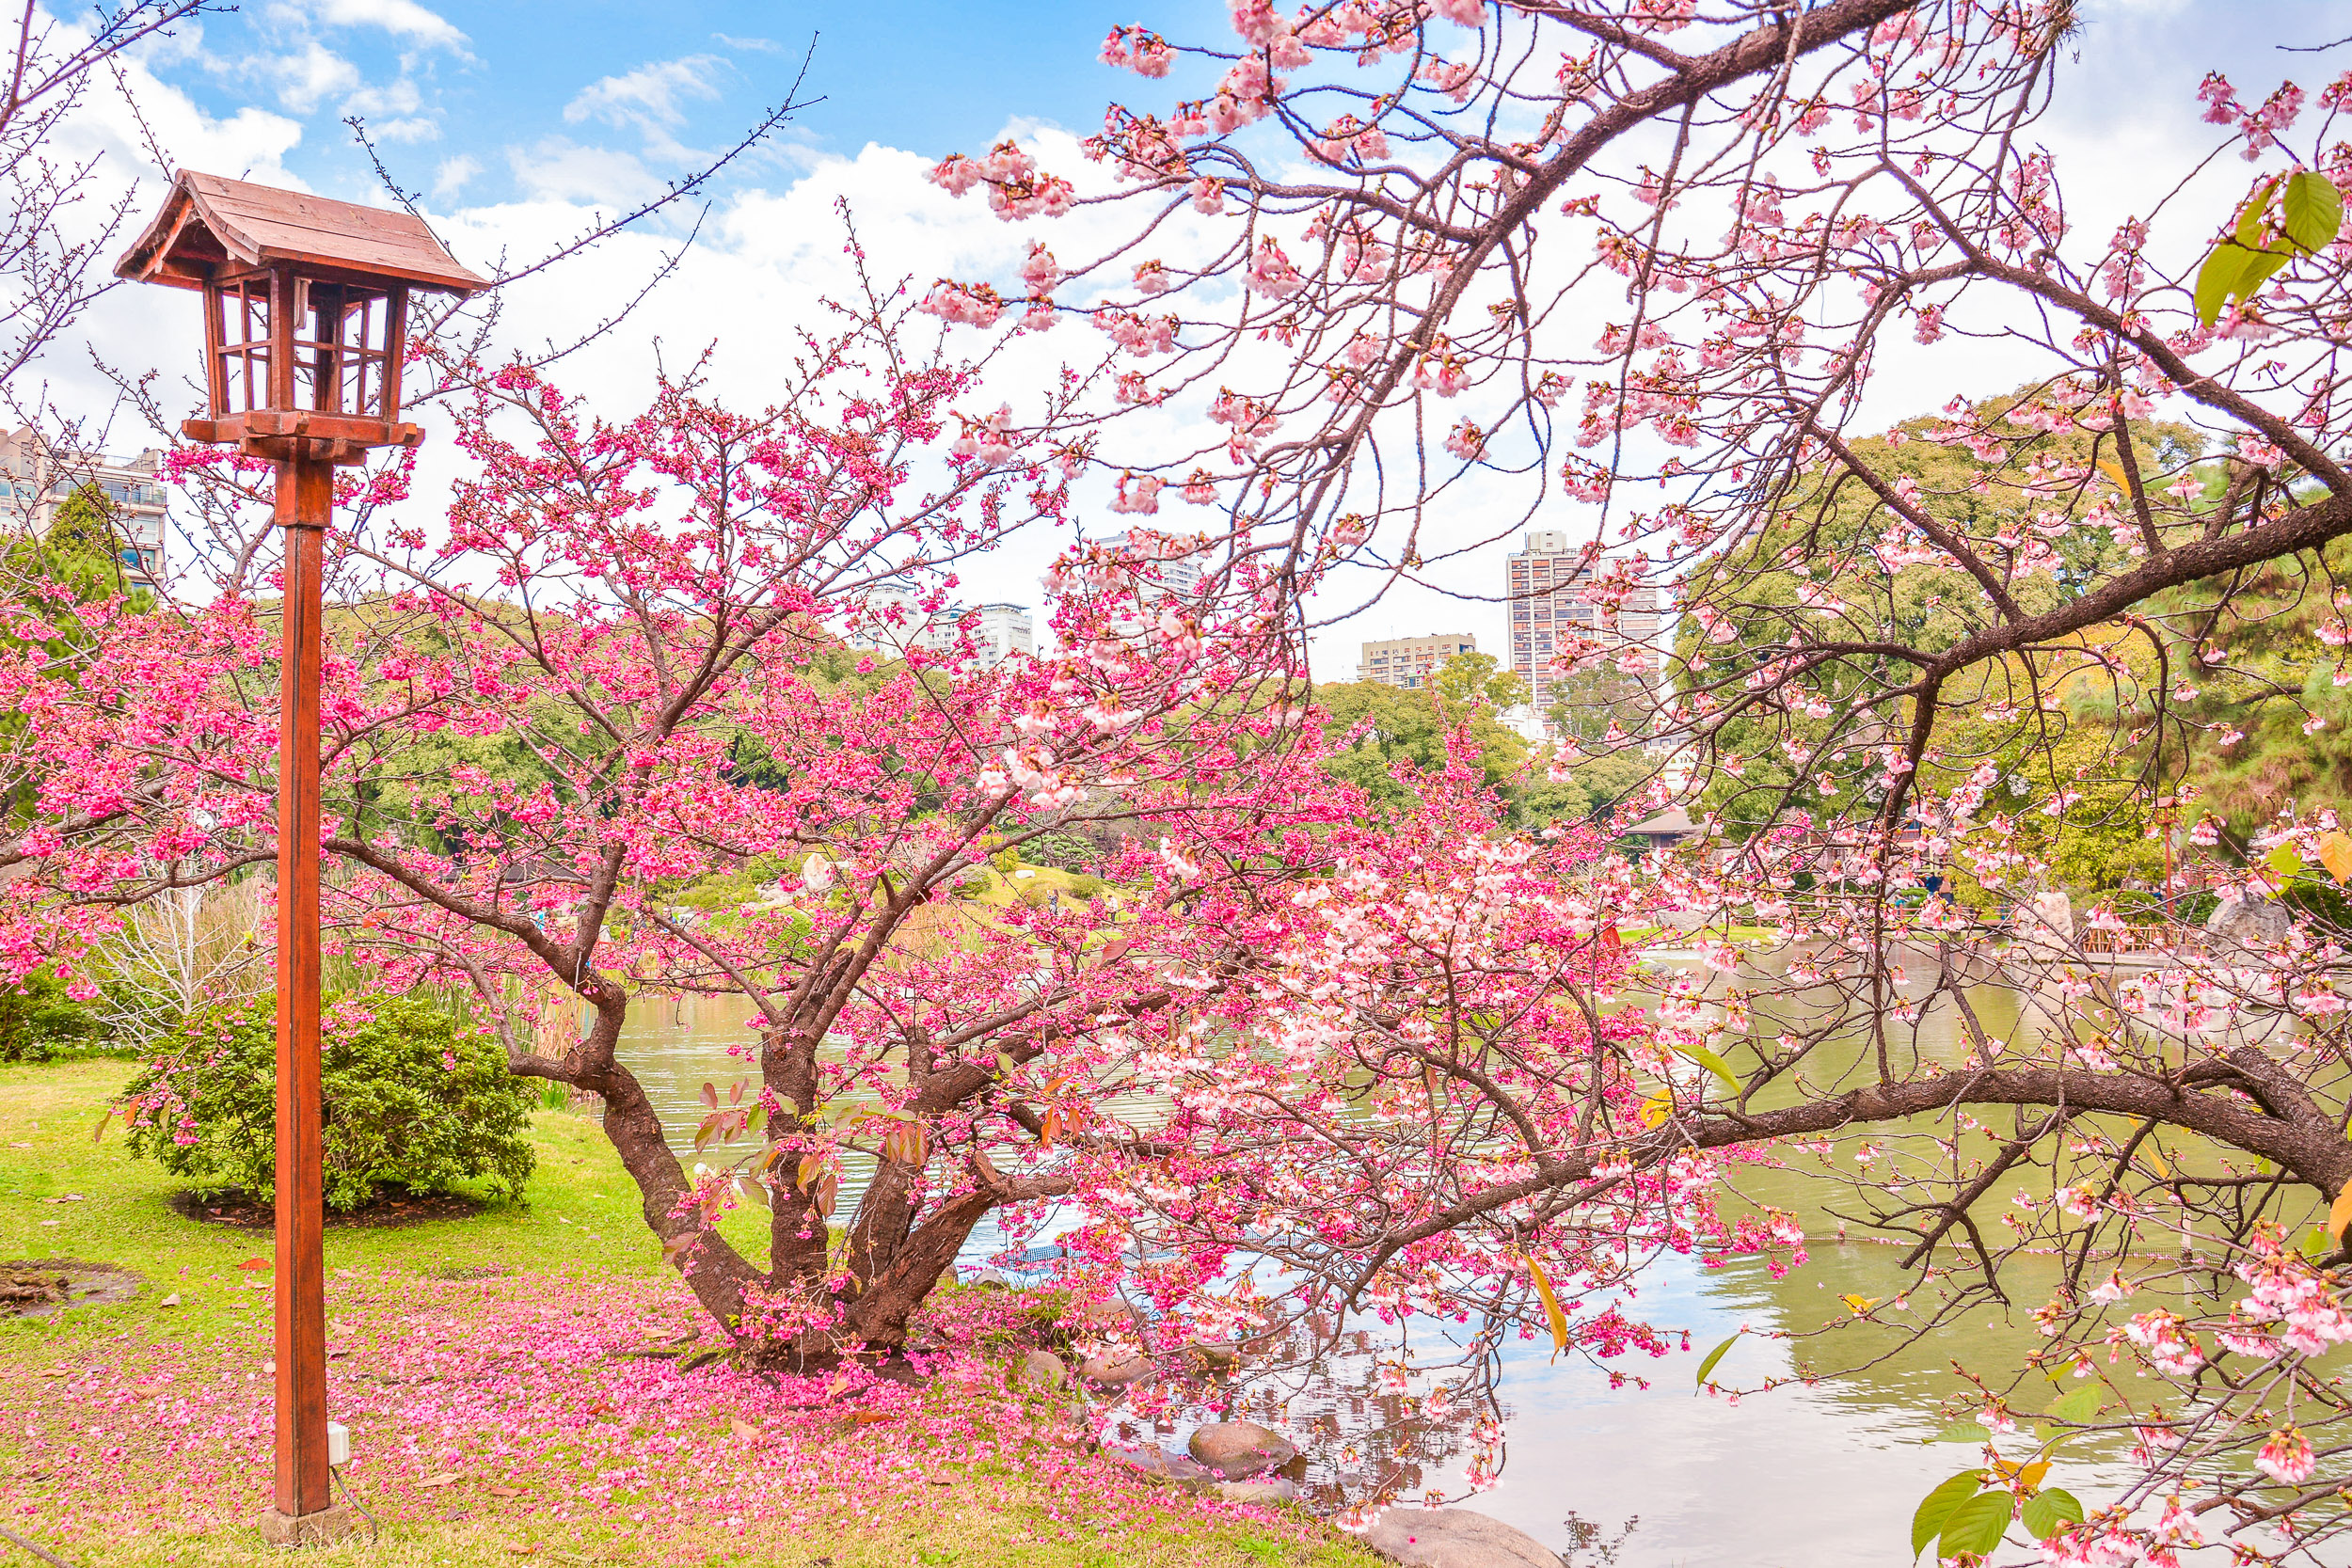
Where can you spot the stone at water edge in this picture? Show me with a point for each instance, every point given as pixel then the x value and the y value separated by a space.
pixel 1042 1369
pixel 1212 1358
pixel 1174 1468
pixel 1455 1538
pixel 1279 1489
pixel 1116 1369
pixel 1238 1448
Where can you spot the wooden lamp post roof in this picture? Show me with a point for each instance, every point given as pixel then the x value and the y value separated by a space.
pixel 209 222
pixel 215 235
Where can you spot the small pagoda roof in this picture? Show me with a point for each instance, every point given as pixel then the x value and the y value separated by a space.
pixel 1674 819
pixel 208 222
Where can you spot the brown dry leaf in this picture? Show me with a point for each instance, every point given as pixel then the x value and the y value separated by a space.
pixel 447 1478
pixel 499 1489
pixel 743 1430
pixel 252 1263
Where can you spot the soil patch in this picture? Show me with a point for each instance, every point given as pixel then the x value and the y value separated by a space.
pixel 391 1209
pixel 38 1287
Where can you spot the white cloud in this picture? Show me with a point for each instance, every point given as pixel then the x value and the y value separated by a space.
pixel 649 96
pixel 759 46
pixel 555 169
pixel 302 80
pixel 403 18
pixel 414 129
pixel 453 175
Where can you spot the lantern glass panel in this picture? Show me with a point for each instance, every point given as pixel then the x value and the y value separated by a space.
pixel 340 348
pixel 240 381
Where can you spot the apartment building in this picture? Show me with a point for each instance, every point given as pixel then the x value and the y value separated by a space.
pixel 1166 571
pixel 37 478
pixel 998 630
pixel 1411 662
pixel 1547 588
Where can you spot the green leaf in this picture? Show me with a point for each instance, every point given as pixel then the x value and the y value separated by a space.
pixel 2259 266
pixel 2075 1409
pixel 1937 1507
pixel 2249 217
pixel 1714 1356
pixel 1713 1064
pixel 2047 1512
pixel 1976 1526
pixel 2284 860
pixel 1963 1432
pixel 2217 278
pixel 2312 209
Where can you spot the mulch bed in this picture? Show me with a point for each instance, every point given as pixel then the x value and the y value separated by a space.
pixel 239 1210
pixel 38 1287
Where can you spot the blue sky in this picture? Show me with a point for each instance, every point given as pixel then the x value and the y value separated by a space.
pixel 492 83
pixel 498 86
pixel 518 119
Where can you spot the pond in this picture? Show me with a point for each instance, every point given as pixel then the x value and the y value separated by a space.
pixel 1824 1475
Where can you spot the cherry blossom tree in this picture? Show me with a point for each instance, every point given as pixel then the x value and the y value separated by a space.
pixel 1904 643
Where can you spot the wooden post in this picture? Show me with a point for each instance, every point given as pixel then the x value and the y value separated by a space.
pixel 305 495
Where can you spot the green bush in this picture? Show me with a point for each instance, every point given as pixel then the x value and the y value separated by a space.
pixel 40 1022
pixel 411 1101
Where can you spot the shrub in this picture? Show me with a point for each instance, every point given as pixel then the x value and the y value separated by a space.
pixel 40 1022
pixel 411 1101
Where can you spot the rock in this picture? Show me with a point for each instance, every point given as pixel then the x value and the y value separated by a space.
pixel 1042 1369
pixel 1098 1314
pixel 2251 923
pixel 1280 1489
pixel 1116 1369
pixel 989 1278
pixel 1173 1468
pixel 1212 1358
pixel 1455 1538
pixel 1238 1448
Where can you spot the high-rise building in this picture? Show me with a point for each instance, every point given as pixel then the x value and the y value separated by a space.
pixel 1164 572
pixel 1410 661
pixel 897 623
pixel 1003 630
pixel 1550 597
pixel 37 478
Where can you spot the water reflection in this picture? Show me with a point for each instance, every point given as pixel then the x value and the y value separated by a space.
pixel 1822 1475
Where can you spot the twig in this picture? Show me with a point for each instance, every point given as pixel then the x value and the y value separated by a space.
pixel 41 1552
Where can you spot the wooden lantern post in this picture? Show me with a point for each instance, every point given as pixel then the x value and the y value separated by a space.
pixel 306 305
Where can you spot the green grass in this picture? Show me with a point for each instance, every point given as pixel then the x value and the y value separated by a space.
pixel 64 1195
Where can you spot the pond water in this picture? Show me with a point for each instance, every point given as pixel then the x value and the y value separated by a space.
pixel 1820 1476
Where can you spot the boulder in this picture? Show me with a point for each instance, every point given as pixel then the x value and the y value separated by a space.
pixel 1455 1538
pixel 1173 1468
pixel 2251 923
pixel 1209 1359
pixel 1275 1489
pixel 1116 1369
pixel 1040 1370
pixel 1238 1448
pixel 1081 1315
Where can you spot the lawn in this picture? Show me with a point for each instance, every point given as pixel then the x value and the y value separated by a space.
pixel 483 1366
